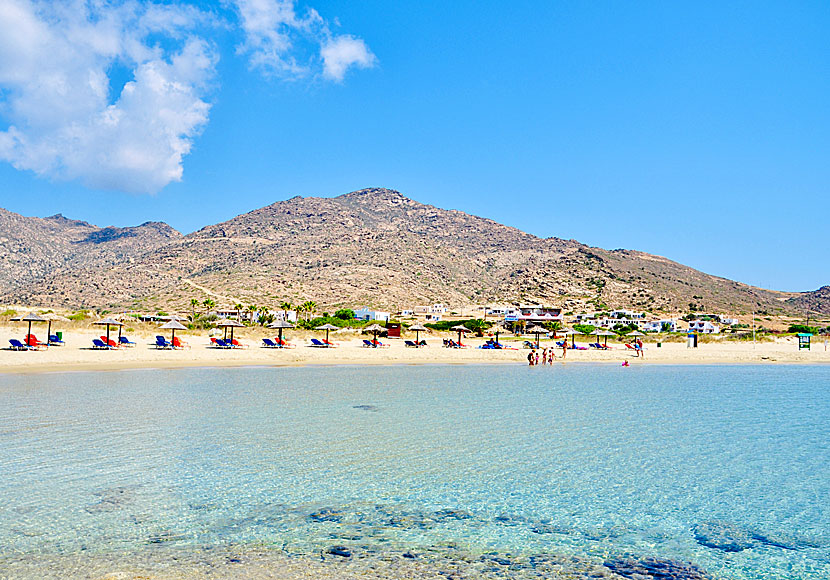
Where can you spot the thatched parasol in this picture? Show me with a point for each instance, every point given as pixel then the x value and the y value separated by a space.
pixel 110 322
pixel 51 316
pixel 30 318
pixel 418 328
pixel 279 325
pixel 459 328
pixel 374 329
pixel 537 330
pixel 227 323
pixel 604 333
pixel 173 326
pixel 327 327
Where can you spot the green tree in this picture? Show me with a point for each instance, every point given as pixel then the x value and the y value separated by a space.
pixel 344 314
pixel 585 328
pixel 194 304
pixel 208 304
pixel 238 307
pixel 252 308
pixel 285 306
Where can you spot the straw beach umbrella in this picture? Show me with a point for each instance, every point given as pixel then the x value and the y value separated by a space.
pixel 459 328
pixel 328 327
pixel 30 318
pixel 604 333
pixel 227 323
pixel 418 328
pixel 110 322
pixel 173 326
pixel 635 333
pixel 374 329
pixel 50 317
pixel 279 325
pixel 537 330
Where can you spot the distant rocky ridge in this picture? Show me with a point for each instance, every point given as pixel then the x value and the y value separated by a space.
pixel 370 247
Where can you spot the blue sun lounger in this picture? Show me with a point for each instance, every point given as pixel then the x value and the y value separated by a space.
pixel 268 343
pixel 161 342
pixel 99 344
pixel 53 339
pixel 17 345
pixel 124 341
pixel 317 342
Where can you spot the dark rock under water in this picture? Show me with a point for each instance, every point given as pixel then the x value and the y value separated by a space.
pixel 655 569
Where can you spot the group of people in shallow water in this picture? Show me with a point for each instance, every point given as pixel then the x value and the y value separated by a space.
pixel 547 356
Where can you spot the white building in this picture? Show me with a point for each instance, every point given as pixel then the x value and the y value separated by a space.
pixel 433 309
pixel 366 314
pixel 537 314
pixel 703 327
pixel 670 325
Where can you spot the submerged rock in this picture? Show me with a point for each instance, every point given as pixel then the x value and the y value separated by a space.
pixel 326 515
pixel 656 569
pixel 112 499
pixel 722 536
pixel 366 408
pixel 341 551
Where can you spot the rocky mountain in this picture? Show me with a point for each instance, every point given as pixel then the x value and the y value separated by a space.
pixel 817 301
pixel 379 248
pixel 32 249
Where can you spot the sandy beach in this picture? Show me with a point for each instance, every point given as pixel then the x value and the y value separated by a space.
pixel 77 354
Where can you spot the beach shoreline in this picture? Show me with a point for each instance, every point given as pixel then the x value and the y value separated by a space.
pixel 75 356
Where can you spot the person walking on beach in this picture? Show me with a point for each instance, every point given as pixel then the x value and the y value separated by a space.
pixel 564 347
pixel 640 351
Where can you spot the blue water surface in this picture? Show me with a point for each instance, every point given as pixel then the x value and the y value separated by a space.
pixel 724 466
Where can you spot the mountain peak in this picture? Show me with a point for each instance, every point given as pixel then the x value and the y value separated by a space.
pixel 376 193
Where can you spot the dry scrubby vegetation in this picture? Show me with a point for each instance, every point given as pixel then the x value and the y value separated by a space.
pixel 373 247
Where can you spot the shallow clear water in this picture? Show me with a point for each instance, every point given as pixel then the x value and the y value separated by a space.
pixel 677 462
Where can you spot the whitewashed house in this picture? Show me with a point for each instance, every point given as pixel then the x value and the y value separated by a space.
pixel 704 327
pixel 367 314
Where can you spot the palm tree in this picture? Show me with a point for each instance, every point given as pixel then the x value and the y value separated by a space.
pixel 238 308
pixel 251 309
pixel 285 306
pixel 208 304
pixel 309 306
pixel 194 304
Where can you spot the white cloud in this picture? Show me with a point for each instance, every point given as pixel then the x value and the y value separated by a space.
pixel 60 60
pixel 55 61
pixel 276 38
pixel 344 51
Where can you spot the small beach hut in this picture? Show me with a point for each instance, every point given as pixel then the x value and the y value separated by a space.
pixel 30 318
pixel 329 327
pixel 417 328
pixel 374 329
pixel 279 325
pixel 459 328
pixel 109 322
pixel 537 330
pixel 173 326
pixel 227 323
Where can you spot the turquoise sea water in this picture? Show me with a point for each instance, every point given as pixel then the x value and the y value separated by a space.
pixel 727 467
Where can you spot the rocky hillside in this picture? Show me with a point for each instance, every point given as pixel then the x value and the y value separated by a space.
pixel 817 301
pixel 379 248
pixel 32 249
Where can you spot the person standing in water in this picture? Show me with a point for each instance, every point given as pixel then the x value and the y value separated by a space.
pixel 530 358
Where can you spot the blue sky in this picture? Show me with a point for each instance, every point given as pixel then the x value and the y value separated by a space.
pixel 700 132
